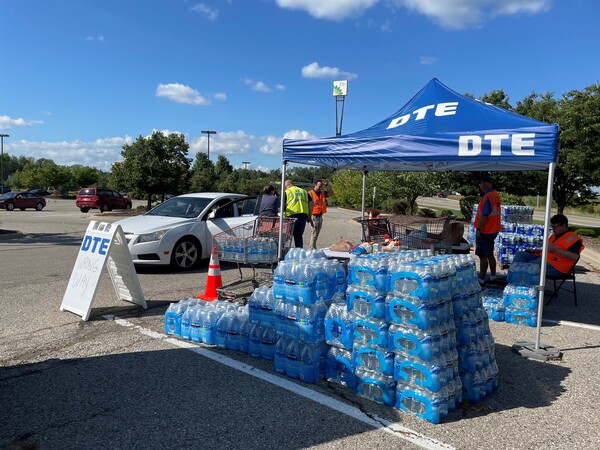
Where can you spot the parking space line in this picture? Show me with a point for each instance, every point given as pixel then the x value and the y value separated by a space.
pixel 573 324
pixel 392 428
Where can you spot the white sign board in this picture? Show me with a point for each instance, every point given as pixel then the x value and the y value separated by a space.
pixel 103 244
pixel 340 88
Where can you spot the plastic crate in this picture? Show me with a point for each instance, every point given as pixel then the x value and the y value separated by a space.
pixel 254 242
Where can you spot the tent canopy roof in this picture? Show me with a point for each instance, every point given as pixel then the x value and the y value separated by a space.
pixel 437 130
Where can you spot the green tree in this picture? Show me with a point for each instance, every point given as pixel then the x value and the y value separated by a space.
pixel 84 176
pixel 202 178
pixel 154 165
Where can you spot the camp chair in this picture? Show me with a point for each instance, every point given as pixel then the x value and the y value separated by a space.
pixel 570 275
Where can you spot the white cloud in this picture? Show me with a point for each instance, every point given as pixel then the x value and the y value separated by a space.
pixel 459 14
pixel 261 86
pixel 313 70
pixel 206 11
pixel 7 122
pixel 100 153
pixel 181 93
pixel 426 60
pixel 220 96
pixel 223 143
pixel 273 144
pixel 336 10
pixel 99 38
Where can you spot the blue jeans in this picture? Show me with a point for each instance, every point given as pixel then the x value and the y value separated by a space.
pixel 527 257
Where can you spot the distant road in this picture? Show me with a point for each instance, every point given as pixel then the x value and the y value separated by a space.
pixel 437 202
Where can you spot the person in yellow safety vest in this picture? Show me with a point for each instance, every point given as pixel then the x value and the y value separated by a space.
pixel 318 206
pixel 487 225
pixel 295 200
pixel 564 247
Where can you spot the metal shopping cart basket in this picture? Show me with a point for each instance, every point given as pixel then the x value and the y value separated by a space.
pixel 254 243
pixel 422 233
pixel 375 230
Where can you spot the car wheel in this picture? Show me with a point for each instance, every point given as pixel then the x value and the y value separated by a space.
pixel 84 210
pixel 186 254
pixel 39 206
pixel 10 207
pixel 104 208
pixel 128 206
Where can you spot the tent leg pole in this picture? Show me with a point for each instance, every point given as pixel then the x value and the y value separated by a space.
pixel 534 349
pixel 362 215
pixel 281 212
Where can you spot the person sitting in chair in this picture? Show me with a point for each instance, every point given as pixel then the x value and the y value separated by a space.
pixel 564 247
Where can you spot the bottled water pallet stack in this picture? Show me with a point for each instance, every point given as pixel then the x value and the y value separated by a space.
pixel 421 335
pixel 518 232
pixel 304 285
pixel 518 302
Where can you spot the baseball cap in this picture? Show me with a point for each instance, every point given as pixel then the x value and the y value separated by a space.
pixel 485 177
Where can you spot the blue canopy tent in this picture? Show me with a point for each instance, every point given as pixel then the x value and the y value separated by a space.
pixel 440 130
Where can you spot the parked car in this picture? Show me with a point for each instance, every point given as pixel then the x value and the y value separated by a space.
pixel 4 189
pixel 21 200
pixel 179 231
pixel 101 198
pixel 40 192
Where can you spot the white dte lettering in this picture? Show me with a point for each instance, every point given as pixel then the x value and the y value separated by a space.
pixel 441 109
pixel 521 144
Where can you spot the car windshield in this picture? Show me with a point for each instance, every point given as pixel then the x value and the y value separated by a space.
pixel 186 207
pixel 8 195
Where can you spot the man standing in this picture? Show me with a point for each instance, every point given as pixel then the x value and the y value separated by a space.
pixel 296 206
pixel 487 225
pixel 318 207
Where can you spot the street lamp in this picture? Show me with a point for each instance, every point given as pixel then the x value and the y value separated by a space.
pixel 208 133
pixel 2 136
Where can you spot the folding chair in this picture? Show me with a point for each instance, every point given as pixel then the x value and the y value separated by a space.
pixel 570 275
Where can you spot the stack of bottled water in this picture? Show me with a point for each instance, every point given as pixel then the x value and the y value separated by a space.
pixel 304 285
pixel 493 303
pixel 366 297
pixel 261 312
pixel 196 320
pixel 339 334
pixel 521 303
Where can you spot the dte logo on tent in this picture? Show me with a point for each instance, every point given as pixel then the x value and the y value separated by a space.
pixel 95 244
pixel 521 144
pixel 441 109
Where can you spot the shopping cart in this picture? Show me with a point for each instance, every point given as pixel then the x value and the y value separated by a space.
pixel 422 233
pixel 255 243
pixel 375 230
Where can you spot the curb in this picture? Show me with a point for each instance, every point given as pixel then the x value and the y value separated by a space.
pixel 10 234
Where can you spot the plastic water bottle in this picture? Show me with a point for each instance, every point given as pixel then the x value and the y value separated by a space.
pixel 340 367
pixel 280 313
pixel 197 323
pixel 254 304
pixel 310 322
pixel 375 386
pixel 371 333
pixel 366 302
pixel 255 340
pixel 222 327
pixel 171 319
pixel 432 375
pixel 305 285
pixel 374 360
pixel 267 344
pixel 244 336
pixel 432 407
pixel 279 357
pixel 267 307
pixel 186 322
pixel 233 332
pixel 339 326
pixel 292 354
pixel 279 276
pixel 292 330
pixel 407 309
pixel 412 341
pixel 312 362
pixel 208 331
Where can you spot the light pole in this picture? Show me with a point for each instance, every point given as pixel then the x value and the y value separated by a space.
pixel 2 136
pixel 208 133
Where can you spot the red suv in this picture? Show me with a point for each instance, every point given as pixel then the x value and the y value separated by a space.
pixel 102 199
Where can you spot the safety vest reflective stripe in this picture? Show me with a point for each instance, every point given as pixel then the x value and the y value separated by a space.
pixel 319 203
pixel 493 223
pixel 296 201
pixel 563 242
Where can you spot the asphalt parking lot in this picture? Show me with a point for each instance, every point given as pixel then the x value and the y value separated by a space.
pixel 117 382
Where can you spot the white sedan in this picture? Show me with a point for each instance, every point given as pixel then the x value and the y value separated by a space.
pixel 180 231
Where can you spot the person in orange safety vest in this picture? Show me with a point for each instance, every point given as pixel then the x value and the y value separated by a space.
pixel 487 226
pixel 564 247
pixel 318 204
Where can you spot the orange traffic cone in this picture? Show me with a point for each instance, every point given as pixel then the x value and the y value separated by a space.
pixel 214 280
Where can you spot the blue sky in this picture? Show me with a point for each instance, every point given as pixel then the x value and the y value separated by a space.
pixel 78 79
